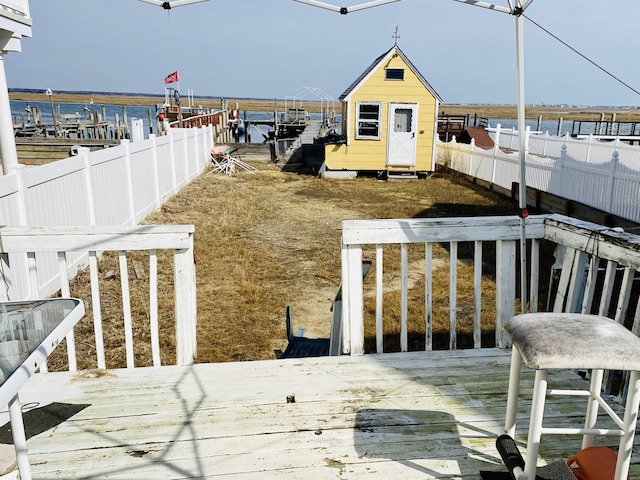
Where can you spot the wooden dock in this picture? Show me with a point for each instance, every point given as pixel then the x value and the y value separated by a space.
pixel 421 415
pixel 607 130
pixel 38 150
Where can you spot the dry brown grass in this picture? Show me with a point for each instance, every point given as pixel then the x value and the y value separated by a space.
pixel 272 239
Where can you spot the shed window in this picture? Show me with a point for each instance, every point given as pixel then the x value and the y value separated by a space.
pixel 395 73
pixel 368 115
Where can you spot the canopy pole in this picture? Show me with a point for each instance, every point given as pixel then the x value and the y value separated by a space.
pixel 522 145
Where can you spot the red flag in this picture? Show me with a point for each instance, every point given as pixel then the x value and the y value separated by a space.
pixel 172 77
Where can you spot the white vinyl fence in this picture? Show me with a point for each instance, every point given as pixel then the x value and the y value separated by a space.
pixel 602 175
pixel 118 186
pixel 589 149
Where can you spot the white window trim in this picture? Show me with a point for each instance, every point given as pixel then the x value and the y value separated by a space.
pixel 379 121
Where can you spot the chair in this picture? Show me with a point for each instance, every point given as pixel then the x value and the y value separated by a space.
pixel 573 341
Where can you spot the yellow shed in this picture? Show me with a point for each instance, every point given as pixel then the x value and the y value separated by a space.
pixel 389 121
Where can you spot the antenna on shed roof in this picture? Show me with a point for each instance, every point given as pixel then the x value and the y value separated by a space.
pixel 396 36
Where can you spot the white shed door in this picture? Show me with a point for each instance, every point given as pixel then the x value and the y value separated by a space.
pixel 401 144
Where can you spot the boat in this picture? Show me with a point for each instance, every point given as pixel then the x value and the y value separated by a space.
pixel 173 110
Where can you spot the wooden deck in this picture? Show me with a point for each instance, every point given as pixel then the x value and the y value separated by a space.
pixel 408 415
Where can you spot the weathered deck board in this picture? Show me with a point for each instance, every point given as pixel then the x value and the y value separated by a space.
pixel 416 415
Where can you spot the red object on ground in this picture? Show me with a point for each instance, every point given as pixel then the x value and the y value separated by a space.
pixel 594 463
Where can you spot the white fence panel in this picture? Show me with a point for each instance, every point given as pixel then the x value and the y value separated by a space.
pixel 507 169
pixel 609 180
pixel 167 182
pixel 143 177
pixel 181 149
pixel 482 164
pixel 56 194
pixel 629 156
pixel 585 184
pixel 542 173
pixel 112 200
pixel 626 196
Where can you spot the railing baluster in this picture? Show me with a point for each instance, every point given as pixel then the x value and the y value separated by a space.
pixel 578 275
pixel 453 306
pixel 428 295
pixel 590 284
pixel 66 292
pixel 34 288
pixel 97 312
pixel 126 308
pixel 153 308
pixel 477 295
pixel 404 296
pixel 625 293
pixel 607 288
pixel 563 282
pixel 379 296
pixel 535 275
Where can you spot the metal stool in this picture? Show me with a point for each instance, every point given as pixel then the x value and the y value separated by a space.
pixel 573 341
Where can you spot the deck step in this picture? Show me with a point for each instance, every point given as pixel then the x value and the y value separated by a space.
pixel 401 176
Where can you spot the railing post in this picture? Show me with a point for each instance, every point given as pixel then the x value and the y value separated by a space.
pixel 505 286
pixel 496 150
pixel 560 168
pixel 615 159
pixel 352 305
pixel 589 142
pixel 91 206
pixel 185 304
pixel 496 144
pixel 472 146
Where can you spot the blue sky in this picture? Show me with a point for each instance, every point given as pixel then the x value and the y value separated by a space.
pixel 271 48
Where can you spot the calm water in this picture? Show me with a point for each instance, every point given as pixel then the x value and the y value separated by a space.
pixel 19 114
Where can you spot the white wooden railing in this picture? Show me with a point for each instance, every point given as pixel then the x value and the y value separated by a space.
pixel 32 242
pixel 586 255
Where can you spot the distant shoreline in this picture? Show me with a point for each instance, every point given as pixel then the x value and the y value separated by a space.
pixel 268 105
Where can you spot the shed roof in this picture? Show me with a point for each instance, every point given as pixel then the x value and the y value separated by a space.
pixel 382 58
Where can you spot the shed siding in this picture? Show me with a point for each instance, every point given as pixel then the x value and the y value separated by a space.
pixel 371 154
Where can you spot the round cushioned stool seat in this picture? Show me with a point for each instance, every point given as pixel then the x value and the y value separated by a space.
pixel 573 341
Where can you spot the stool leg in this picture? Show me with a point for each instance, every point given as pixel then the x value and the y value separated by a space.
pixel 629 427
pixel 513 393
pixel 595 387
pixel 535 424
